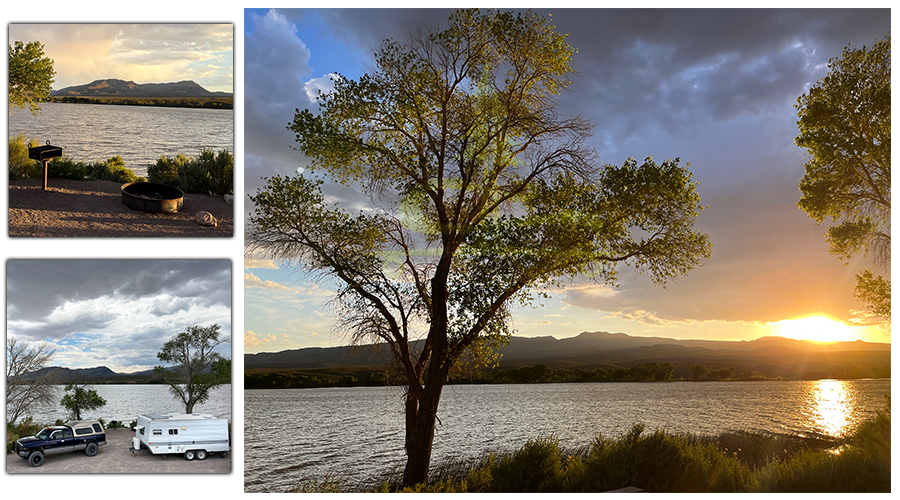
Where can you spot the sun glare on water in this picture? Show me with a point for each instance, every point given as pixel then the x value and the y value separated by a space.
pixel 817 328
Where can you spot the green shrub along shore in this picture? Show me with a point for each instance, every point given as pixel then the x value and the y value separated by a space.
pixel 207 173
pixel 660 462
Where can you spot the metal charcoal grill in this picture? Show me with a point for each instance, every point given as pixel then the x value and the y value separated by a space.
pixel 44 154
pixel 152 197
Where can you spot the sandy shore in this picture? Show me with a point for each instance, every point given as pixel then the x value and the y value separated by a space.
pixel 95 209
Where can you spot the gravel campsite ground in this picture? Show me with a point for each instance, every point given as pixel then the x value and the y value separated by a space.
pixel 95 209
pixel 116 458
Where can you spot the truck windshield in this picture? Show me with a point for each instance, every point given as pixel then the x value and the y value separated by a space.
pixel 44 434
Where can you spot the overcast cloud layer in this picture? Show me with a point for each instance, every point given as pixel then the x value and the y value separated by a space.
pixel 114 313
pixel 713 87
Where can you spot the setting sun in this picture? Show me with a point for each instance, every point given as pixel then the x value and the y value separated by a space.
pixel 817 328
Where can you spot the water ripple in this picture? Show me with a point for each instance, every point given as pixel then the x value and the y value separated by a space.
pixel 357 433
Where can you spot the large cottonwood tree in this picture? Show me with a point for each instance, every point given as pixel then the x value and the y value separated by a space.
pixel 196 368
pixel 30 76
pixel 845 126
pixel 482 193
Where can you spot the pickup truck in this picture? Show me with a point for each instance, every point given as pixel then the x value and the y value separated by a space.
pixel 87 435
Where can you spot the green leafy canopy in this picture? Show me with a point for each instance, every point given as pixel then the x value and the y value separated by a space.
pixel 30 75
pixel 197 369
pixel 845 126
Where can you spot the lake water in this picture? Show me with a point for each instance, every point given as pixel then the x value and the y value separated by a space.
pixel 291 435
pixel 139 134
pixel 125 402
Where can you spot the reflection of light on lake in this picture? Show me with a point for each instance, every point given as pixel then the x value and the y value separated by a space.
pixel 831 411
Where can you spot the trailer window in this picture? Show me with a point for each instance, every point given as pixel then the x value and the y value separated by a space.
pixel 157 432
pixel 173 432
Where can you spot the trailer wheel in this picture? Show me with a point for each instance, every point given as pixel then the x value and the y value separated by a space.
pixel 36 459
pixel 223 454
pixel 91 449
pixel 189 455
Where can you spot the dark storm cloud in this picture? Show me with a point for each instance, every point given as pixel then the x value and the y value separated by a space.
pixel 36 287
pixel 672 67
pixel 637 68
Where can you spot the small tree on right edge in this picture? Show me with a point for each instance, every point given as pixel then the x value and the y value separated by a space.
pixel 197 368
pixel 845 125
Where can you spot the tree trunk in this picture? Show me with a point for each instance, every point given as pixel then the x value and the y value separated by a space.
pixel 420 419
pixel 421 413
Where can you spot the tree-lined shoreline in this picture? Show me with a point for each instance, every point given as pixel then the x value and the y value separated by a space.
pixel 541 374
pixel 170 102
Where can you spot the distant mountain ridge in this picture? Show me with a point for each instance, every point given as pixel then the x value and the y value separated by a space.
pixel 776 355
pixel 63 375
pixel 112 87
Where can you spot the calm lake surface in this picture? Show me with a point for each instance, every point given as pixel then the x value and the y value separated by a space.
pixel 291 435
pixel 125 402
pixel 139 134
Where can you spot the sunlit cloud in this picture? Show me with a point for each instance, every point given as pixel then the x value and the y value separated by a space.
pixel 251 281
pixel 643 317
pixel 323 84
pixel 252 339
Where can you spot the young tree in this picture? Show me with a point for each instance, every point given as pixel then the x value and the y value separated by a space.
pixel 23 390
pixel 30 76
pixel 845 125
pixel 484 194
pixel 81 399
pixel 197 368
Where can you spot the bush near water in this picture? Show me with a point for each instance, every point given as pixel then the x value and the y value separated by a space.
pixel 660 462
pixel 208 173
pixel 21 166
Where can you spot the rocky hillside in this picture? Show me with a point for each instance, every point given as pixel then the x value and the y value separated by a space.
pixel 112 87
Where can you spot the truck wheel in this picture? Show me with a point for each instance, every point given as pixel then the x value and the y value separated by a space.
pixel 222 454
pixel 201 454
pixel 36 459
pixel 189 455
pixel 91 449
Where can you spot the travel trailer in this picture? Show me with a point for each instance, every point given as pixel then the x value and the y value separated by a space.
pixel 193 435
